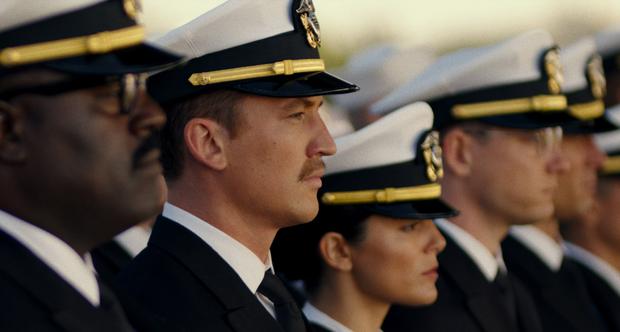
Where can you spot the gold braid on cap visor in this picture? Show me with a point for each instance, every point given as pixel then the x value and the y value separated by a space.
pixel 541 103
pixel 284 67
pixel 387 195
pixel 611 166
pixel 587 111
pixel 98 43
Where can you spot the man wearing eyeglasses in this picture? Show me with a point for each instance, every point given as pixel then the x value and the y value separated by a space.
pixel 534 252
pixel 496 108
pixel 78 163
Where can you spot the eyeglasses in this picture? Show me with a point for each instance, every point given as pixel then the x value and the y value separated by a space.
pixel 130 86
pixel 547 140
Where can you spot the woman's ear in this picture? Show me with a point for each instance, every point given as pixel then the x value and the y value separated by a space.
pixel 336 251
pixel 457 152
pixel 206 141
pixel 12 149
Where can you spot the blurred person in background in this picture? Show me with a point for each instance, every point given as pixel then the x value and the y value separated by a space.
pixel 378 70
pixel 534 252
pixel 592 240
pixel 497 108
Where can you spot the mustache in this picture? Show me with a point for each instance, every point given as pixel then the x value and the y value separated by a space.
pixel 151 143
pixel 311 166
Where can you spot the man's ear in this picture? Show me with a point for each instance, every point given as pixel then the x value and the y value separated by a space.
pixel 336 251
pixel 12 149
pixel 205 140
pixel 457 152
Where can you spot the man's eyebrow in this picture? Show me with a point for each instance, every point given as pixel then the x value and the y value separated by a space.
pixel 303 102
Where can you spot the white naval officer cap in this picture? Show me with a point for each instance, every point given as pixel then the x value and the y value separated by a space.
pixel 608 46
pixel 584 87
pixel 97 37
pixel 378 70
pixel 609 142
pixel 513 83
pixel 390 167
pixel 267 48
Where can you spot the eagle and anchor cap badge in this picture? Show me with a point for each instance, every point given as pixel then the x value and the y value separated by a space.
pixel 266 48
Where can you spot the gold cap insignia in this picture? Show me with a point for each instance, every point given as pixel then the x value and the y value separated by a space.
pixel 596 77
pixel 432 156
pixel 553 68
pixel 132 8
pixel 310 22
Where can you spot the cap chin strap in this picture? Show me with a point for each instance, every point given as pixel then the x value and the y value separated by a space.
pixel 541 103
pixel 611 166
pixel 98 43
pixel 284 67
pixel 387 195
pixel 587 111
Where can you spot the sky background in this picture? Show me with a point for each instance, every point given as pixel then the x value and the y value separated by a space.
pixel 350 25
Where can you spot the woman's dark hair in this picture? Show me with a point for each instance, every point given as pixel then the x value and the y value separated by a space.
pixel 295 250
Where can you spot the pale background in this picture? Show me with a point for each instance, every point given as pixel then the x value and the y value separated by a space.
pixel 444 25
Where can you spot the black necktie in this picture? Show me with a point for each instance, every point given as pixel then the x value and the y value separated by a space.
pixel 502 281
pixel 287 313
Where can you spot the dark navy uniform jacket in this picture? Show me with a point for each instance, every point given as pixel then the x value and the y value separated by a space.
pixel 467 302
pixel 179 283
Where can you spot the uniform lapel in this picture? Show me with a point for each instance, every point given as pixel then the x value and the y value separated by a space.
pixel 551 287
pixel 604 296
pixel 114 254
pixel 67 307
pixel 482 302
pixel 245 313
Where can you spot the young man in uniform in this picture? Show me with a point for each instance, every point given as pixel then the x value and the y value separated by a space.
pixel 495 108
pixel 534 252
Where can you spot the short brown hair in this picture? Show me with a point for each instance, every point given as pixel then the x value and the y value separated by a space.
pixel 218 105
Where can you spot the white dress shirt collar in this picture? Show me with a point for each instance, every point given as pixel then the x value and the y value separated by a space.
pixel 133 240
pixel 316 316
pixel 488 264
pixel 600 267
pixel 243 261
pixel 541 244
pixel 77 271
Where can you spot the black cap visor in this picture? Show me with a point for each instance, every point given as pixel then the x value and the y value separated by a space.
pixel 137 59
pixel 423 209
pixel 299 85
pixel 594 126
pixel 531 120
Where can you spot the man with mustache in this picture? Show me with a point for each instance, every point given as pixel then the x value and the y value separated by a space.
pixel 74 166
pixel 242 157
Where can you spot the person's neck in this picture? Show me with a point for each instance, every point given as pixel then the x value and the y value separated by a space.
pixel 551 227
pixel 609 253
pixel 487 228
pixel 343 301
pixel 61 226
pixel 250 230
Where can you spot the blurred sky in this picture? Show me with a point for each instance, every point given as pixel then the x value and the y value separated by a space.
pixel 350 25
